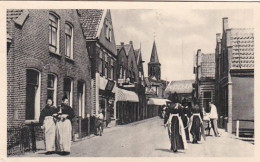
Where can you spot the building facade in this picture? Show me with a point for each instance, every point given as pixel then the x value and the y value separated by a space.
pixel 205 78
pixel 235 76
pixel 99 32
pixel 128 109
pixel 46 57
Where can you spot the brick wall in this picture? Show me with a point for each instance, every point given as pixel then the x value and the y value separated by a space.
pixel 30 49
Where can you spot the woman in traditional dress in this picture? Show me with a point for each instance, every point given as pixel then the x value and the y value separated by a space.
pixel 47 122
pixel 185 119
pixel 176 131
pixel 196 127
pixel 63 127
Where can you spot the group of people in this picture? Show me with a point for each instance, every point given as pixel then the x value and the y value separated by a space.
pixel 56 124
pixel 185 123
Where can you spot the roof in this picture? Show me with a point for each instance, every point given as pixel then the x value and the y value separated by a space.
pixel 154 55
pixel 138 55
pixel 208 65
pixel 13 14
pixel 127 48
pixel 242 40
pixel 182 86
pixel 90 20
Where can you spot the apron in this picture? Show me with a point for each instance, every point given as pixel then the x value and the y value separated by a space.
pixel 201 127
pixel 49 133
pixel 181 130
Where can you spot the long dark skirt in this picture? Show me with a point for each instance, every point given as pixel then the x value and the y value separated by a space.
pixel 186 129
pixel 176 138
pixel 195 129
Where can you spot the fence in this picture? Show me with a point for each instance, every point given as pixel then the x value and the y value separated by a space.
pixel 244 133
pixel 22 138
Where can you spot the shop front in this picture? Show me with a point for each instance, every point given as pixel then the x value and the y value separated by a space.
pixel 127 103
pixel 154 106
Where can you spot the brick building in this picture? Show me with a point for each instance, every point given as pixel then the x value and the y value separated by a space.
pixel 99 33
pixel 235 76
pixel 46 56
pixel 204 71
pixel 128 109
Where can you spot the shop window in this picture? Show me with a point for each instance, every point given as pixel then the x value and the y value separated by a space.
pixel 32 94
pixel 52 88
pixel 69 40
pixel 68 89
pixel 53 33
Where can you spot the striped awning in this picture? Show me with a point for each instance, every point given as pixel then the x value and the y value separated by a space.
pixel 157 101
pixel 125 95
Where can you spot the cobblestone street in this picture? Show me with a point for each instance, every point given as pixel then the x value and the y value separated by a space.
pixel 149 138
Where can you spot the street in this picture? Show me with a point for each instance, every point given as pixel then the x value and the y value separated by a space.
pixel 148 138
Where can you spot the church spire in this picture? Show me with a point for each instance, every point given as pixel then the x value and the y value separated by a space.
pixel 154 56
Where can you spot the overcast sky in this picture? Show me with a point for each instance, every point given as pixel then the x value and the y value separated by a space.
pixel 177 34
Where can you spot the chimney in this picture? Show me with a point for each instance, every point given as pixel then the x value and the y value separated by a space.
pixel 218 37
pixel 198 57
pixel 131 42
pixel 122 43
pixel 225 23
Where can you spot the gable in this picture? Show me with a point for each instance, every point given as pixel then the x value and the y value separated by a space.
pixel 108 44
pixel 131 59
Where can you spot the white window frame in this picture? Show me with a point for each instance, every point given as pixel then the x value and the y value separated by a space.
pixel 37 101
pixel 58 33
pixel 81 103
pixel 54 88
pixel 71 43
pixel 71 91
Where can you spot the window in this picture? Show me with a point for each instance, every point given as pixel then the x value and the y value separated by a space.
pixel 106 66
pixel 53 33
pixel 112 69
pixel 108 30
pixel 52 88
pixel 100 62
pixel 33 83
pixel 121 72
pixel 69 41
pixel 81 98
pixel 68 89
pixel 206 99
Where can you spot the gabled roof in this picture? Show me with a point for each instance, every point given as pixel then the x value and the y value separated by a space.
pixel 154 55
pixel 182 86
pixel 91 21
pixel 242 40
pixel 127 48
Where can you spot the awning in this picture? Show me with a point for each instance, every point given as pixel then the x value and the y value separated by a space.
pixel 124 95
pixel 157 101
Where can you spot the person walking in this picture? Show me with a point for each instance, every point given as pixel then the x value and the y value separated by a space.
pixel 48 124
pixel 99 123
pixel 64 127
pixel 213 115
pixel 176 129
pixel 196 127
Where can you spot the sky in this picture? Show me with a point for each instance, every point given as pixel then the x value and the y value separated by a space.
pixel 178 34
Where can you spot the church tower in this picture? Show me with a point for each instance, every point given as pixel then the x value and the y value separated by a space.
pixel 154 66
